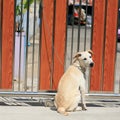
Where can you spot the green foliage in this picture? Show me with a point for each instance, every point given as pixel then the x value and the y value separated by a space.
pixel 22 9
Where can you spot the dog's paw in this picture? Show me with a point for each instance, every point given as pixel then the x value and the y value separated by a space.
pixel 66 114
pixel 78 109
pixel 84 107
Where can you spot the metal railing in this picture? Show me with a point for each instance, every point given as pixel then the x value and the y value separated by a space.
pixel 27 53
pixel 26 57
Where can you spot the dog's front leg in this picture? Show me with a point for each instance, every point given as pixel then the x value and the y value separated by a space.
pixel 82 91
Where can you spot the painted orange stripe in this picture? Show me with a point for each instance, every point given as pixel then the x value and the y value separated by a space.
pixel 7 43
pixel 0 41
pixel 60 37
pixel 110 45
pixel 97 45
pixel 46 45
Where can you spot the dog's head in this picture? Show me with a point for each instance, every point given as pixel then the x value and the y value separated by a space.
pixel 84 58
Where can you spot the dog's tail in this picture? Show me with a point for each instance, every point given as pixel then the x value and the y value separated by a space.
pixel 62 110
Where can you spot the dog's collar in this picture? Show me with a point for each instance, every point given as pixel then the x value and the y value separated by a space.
pixel 81 69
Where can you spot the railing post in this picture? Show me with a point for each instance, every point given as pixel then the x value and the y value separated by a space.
pixel 7 43
pixel 98 44
pixel 110 45
pixel 52 43
pixel 104 45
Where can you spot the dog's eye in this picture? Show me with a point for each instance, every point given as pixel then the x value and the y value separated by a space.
pixel 90 57
pixel 85 58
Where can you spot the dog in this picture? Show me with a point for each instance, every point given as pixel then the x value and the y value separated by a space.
pixel 71 87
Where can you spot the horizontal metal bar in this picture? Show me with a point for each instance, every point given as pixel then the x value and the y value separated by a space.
pixel 104 95
pixel 52 94
pixel 27 94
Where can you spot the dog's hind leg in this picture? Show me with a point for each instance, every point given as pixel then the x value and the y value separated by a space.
pixel 62 110
pixel 74 105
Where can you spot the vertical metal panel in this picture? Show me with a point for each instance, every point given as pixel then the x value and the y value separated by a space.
pixel 110 45
pixel 72 31
pixel 27 47
pixel 78 45
pixel 85 41
pixel 7 43
pixel 0 41
pixel 97 44
pixel 59 41
pixel 53 42
pixel 40 42
pixel 33 56
pixel 27 39
pixel 20 46
pixel 46 44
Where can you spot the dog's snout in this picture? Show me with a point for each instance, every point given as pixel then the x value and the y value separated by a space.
pixel 91 64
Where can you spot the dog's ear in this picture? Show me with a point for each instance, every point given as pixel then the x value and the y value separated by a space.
pixel 77 55
pixel 90 51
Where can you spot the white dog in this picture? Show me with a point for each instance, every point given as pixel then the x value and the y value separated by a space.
pixel 72 84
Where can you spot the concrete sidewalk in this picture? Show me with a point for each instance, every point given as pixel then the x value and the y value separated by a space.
pixel 45 113
pixel 20 108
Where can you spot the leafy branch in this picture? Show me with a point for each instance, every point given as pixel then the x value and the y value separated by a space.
pixel 21 9
pixel 25 4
